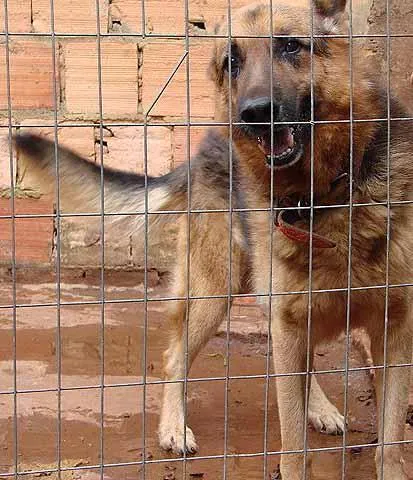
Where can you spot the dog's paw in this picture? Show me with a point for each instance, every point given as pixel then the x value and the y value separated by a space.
pixel 327 419
pixel 172 438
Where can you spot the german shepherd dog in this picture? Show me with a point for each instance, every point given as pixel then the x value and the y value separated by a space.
pixel 307 130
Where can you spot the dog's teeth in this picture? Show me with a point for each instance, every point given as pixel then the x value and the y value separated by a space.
pixel 287 152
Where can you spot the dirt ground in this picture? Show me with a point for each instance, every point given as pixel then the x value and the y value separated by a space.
pixel 130 412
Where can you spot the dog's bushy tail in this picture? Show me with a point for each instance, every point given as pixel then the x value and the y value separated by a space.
pixel 126 196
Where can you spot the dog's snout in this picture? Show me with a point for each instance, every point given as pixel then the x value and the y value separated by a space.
pixel 258 110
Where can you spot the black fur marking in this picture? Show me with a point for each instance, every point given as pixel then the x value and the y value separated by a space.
pixel 375 156
pixel 29 144
pixel 329 8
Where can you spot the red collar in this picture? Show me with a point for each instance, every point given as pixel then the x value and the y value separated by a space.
pixel 285 219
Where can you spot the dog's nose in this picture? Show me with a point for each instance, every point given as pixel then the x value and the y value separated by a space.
pixel 258 110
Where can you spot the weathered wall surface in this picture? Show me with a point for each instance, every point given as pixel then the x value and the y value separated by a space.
pixel 400 22
pixel 134 69
pixel 133 72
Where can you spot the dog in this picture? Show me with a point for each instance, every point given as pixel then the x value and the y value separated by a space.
pixel 305 152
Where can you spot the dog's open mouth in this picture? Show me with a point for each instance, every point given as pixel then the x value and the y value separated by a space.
pixel 286 148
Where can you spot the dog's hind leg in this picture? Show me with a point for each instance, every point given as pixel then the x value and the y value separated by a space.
pixel 399 352
pixel 194 325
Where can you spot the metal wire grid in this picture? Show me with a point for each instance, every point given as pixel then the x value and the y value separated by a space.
pixel 146 213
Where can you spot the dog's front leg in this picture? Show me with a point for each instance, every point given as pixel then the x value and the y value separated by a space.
pixel 389 462
pixel 289 351
pixel 204 318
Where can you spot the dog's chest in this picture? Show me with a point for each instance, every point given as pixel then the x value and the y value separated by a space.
pixel 290 276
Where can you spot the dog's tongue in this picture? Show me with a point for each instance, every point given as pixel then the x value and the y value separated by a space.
pixel 283 140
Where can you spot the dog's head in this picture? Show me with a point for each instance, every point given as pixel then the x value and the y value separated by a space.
pixel 287 80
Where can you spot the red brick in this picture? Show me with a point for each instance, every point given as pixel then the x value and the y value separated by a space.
pixel 27 206
pixel 33 236
pixel 5 159
pixel 19 16
pixel 213 11
pixel 128 12
pixel 161 16
pixel 5 240
pixel 70 16
pixel 124 149
pixel 119 78
pixel 173 100
pixel 168 16
pixel 31 75
pixel 180 153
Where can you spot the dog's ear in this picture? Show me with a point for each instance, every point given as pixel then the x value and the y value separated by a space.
pixel 330 8
pixel 331 14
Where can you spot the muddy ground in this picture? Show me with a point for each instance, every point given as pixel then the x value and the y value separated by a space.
pixel 126 406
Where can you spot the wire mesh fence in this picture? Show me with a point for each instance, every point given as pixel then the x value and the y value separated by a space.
pixel 82 364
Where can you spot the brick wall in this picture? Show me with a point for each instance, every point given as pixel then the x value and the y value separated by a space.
pixel 65 76
pixel 134 69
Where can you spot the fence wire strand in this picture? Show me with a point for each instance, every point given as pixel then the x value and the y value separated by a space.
pixel 147 120
pixel 58 249
pixel 350 243
pixel 13 244
pixel 188 234
pixel 271 220
pixel 382 413
pixel 229 286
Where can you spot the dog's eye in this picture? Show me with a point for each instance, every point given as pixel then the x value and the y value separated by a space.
pixel 232 65
pixel 292 46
